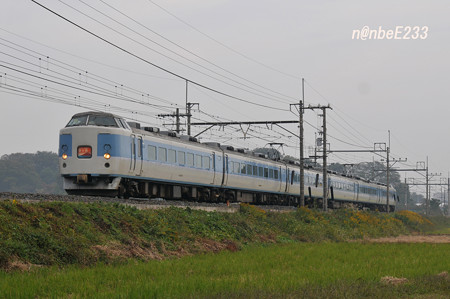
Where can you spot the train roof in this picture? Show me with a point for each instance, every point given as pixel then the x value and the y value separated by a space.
pixel 96 113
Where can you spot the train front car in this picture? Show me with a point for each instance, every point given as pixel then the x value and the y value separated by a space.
pixel 90 151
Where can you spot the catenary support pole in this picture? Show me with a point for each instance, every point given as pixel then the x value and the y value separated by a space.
pixel 302 159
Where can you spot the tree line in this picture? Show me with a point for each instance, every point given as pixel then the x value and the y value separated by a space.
pixel 30 173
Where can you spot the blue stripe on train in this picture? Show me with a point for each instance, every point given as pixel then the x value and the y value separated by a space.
pixel 65 145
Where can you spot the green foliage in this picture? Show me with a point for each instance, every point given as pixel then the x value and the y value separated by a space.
pixel 30 173
pixel 64 233
pixel 297 270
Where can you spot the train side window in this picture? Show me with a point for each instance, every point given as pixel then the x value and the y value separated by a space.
pixel 260 171
pixel 266 172
pixel 140 147
pixel 125 124
pixel 255 170
pixel 119 122
pixel 249 169
pixel 172 156
pixel 151 152
pixel 206 162
pixel 236 167
pixel 198 161
pixel 190 159
pixel 181 158
pixel 275 174
pixel 270 173
pixel 243 168
pixel 162 154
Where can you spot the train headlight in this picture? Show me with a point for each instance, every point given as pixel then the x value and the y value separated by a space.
pixel 64 156
pixel 107 156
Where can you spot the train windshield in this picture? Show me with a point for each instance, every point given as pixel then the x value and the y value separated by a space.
pixel 93 120
pixel 77 121
pixel 103 121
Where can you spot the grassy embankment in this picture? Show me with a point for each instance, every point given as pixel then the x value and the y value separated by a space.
pixel 121 244
pixel 62 233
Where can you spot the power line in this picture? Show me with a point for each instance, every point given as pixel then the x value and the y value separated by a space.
pixel 225 46
pixel 152 64
pixel 74 87
pixel 159 67
pixel 86 59
pixel 181 47
pixel 75 70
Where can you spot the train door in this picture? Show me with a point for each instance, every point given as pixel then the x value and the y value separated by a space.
pixel 289 178
pixel 214 163
pixel 279 187
pixel 218 169
pixel 283 178
pixel 139 155
pixel 133 153
pixel 225 171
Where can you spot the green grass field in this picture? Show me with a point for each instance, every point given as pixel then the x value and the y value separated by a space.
pixel 312 270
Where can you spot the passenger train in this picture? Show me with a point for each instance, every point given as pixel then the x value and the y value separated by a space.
pixel 102 154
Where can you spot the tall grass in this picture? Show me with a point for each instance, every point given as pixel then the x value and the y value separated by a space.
pixel 297 270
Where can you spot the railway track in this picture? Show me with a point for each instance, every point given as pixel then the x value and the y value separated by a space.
pixel 139 203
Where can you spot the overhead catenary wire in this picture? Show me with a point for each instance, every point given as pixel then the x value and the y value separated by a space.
pixel 185 49
pixel 153 64
pixel 173 52
pixel 34 95
pixel 75 70
pixel 224 45
pixel 87 59
pixel 67 84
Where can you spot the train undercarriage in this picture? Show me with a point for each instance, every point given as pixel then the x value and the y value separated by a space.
pixel 125 188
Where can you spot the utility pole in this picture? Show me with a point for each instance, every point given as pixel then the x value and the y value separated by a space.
pixel 448 195
pixel 177 116
pixel 188 114
pixel 387 179
pixel 427 184
pixel 324 147
pixel 188 110
pixel 302 167
pixel 301 109
pixel 406 195
pixel 177 113
pixel 427 199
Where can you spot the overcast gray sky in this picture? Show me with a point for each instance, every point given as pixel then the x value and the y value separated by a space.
pixel 373 85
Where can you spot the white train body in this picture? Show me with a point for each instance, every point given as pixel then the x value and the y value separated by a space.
pixel 100 154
